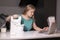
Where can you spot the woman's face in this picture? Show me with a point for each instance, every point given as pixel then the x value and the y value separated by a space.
pixel 30 13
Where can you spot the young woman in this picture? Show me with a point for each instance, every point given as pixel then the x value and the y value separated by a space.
pixel 28 19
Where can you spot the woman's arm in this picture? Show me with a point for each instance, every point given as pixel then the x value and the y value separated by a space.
pixel 37 28
pixel 8 18
pixel 14 16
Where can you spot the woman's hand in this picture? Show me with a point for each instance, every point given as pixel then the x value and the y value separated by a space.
pixel 41 30
pixel 45 28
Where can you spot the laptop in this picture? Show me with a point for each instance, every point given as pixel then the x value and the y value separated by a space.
pixel 2 23
pixel 52 26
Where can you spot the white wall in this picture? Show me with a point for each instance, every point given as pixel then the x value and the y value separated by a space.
pixel 9 3
pixel 58 13
pixel 10 7
pixel 11 10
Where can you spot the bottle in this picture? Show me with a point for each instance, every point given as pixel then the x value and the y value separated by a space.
pixel 3 28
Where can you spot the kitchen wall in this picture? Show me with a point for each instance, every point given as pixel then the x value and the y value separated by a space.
pixel 10 7
pixel 58 13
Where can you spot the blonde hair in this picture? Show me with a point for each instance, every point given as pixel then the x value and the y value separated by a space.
pixel 28 7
